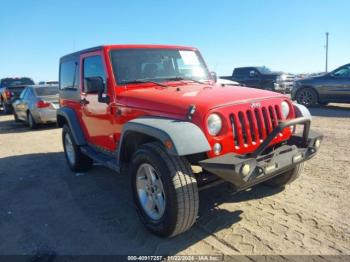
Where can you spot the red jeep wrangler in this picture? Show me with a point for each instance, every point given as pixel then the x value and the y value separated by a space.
pixel 157 111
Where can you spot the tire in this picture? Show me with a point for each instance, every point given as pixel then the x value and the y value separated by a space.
pixel 307 97
pixel 7 108
pixel 31 121
pixel 77 161
pixel 177 197
pixel 15 116
pixel 286 178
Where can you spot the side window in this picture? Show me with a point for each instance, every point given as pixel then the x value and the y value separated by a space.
pixel 30 94
pixel 343 72
pixel 23 93
pixel 238 72
pixel 93 67
pixel 246 71
pixel 253 73
pixel 69 75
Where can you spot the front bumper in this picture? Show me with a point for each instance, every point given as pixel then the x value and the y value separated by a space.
pixel 247 170
pixel 283 86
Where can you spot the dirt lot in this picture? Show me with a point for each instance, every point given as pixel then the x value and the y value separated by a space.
pixel 45 208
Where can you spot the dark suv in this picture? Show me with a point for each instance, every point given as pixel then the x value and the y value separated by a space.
pixel 10 89
pixel 331 87
pixel 258 77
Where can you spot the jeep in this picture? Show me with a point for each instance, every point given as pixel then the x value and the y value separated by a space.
pixel 155 113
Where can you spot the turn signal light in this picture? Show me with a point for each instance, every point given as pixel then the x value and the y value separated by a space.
pixel 8 93
pixel 42 104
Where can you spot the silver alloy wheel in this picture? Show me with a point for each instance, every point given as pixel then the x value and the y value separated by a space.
pixel 150 191
pixel 69 149
pixel 306 97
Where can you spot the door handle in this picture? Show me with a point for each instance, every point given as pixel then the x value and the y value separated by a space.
pixel 84 102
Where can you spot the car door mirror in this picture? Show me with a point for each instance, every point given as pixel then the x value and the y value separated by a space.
pixel 95 85
pixel 252 73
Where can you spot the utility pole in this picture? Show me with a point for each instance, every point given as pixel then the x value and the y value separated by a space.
pixel 327 51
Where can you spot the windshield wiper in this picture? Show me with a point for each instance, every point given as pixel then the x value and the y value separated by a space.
pixel 179 78
pixel 138 81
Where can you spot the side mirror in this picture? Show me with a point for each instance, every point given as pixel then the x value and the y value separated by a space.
pixel 95 85
pixel 252 73
pixel 214 76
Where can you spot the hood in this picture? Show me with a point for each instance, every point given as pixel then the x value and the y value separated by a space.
pixel 177 99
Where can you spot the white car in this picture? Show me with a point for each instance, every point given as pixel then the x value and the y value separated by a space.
pixel 50 82
pixel 227 82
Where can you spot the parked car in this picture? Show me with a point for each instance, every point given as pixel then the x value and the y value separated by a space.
pixel 10 89
pixel 51 82
pixel 285 82
pixel 155 111
pixel 37 105
pixel 330 87
pixel 260 77
pixel 227 82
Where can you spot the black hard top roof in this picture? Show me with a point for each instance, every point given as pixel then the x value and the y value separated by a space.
pixel 75 54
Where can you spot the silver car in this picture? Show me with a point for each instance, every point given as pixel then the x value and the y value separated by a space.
pixel 37 104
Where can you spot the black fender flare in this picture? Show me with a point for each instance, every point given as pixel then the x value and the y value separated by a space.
pixel 186 138
pixel 70 117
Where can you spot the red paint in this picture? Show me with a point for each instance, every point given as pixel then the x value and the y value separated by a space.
pixel 42 104
pixel 102 123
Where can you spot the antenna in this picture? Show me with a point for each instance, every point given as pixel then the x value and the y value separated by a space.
pixel 327 51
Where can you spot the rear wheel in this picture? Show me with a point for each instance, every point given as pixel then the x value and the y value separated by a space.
pixel 7 108
pixel 306 97
pixel 77 161
pixel 15 116
pixel 164 189
pixel 31 121
pixel 286 178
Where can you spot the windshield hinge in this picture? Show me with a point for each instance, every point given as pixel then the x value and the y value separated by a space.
pixel 191 111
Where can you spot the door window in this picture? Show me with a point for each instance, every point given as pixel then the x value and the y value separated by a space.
pixel 343 72
pixel 69 75
pixel 23 94
pixel 94 67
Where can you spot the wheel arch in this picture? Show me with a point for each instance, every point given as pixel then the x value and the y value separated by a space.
pixel 309 87
pixel 67 116
pixel 178 137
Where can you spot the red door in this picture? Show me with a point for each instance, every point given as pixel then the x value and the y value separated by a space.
pixel 97 117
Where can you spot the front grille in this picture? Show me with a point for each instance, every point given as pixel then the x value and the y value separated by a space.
pixel 252 126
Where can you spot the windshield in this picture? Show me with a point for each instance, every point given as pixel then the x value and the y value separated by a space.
pixel 264 70
pixel 157 65
pixel 46 91
pixel 9 82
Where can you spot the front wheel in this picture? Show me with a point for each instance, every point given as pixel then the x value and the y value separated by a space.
pixel 164 189
pixel 77 161
pixel 286 178
pixel 306 97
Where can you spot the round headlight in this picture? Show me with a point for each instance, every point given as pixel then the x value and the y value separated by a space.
pixel 214 124
pixel 285 109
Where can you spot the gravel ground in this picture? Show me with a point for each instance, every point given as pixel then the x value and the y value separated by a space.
pixel 46 209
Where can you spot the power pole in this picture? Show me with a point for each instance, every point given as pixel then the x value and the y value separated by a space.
pixel 327 51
